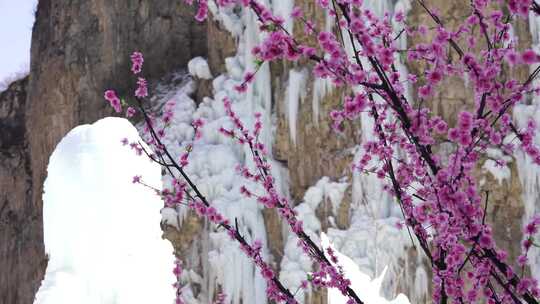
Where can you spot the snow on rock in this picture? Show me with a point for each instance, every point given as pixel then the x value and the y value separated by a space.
pixel 367 289
pixel 226 17
pixel 101 231
pixel 295 265
pixel 375 246
pixel 500 172
pixel 198 67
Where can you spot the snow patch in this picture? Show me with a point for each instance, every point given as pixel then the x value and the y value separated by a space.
pixel 367 289
pixel 101 231
pixel 198 67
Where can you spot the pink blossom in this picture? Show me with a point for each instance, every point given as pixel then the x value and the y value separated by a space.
pixel 267 273
pixel 114 101
pixel 434 76
pixel 399 16
pixel 425 91
pixel 142 90
pixel 296 12
pixel 130 112
pixel 522 260
pixel 529 57
pixel 241 88
pixel 202 11
pixel 137 60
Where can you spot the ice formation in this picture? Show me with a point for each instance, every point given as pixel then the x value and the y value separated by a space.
pixel 284 8
pixel 102 233
pixel 296 92
pixel 367 289
pixel 214 159
pixel 295 265
pixel 198 67
pixel 374 245
pixel 378 246
pixel 321 86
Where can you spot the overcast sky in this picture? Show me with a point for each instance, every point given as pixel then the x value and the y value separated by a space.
pixel 16 20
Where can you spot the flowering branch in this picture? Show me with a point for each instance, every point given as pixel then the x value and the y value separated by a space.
pixel 445 212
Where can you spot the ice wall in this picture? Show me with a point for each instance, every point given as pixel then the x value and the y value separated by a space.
pixel 212 168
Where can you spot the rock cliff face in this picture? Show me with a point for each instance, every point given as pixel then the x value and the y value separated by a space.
pixel 22 257
pixel 81 49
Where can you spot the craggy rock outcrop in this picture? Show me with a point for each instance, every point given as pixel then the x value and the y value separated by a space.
pixel 22 258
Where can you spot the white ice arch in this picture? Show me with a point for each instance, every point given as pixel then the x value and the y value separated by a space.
pixel 101 231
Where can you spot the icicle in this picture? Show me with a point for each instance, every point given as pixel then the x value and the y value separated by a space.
pixel 296 92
